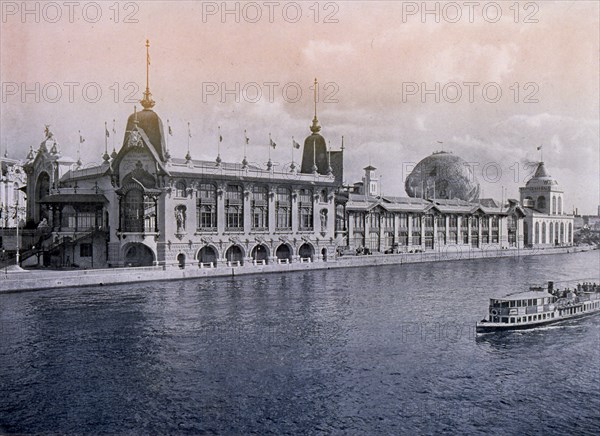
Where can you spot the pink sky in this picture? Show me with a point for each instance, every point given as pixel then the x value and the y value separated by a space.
pixel 367 56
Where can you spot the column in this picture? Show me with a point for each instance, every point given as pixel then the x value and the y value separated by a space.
pixel 423 232
pixel 221 211
pixel 247 217
pixel 469 228
pixel 271 199
pixel 410 226
pixel 295 221
pixel 447 228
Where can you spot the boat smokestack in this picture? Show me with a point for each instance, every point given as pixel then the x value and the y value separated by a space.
pixel 551 287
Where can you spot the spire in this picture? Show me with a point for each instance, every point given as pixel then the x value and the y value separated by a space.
pixel 147 101
pixel 315 128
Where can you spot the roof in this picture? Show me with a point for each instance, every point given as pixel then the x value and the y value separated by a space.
pixel 526 295
pixel 74 198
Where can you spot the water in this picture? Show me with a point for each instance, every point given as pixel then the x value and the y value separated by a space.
pixel 381 350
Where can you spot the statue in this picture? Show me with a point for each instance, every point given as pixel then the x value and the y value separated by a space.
pixel 180 219
pixel 323 216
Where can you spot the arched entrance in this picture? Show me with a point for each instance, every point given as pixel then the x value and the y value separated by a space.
pixel 137 254
pixel 324 254
pixel 235 254
pixel 181 260
pixel 260 253
pixel 207 255
pixel 306 251
pixel 283 252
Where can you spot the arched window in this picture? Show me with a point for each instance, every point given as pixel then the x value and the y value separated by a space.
pixel 180 190
pixel 553 205
pixel 551 233
pixel 544 239
pixel 562 233
pixel 541 203
pixel 133 211
pixel 536 239
pixel 560 205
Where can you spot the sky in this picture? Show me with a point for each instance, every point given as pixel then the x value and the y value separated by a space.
pixel 399 80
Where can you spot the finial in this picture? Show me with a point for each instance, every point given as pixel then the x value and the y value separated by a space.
pixel 135 120
pixel 147 101
pixel 30 154
pixel 315 128
pixel 244 163
pixel 329 169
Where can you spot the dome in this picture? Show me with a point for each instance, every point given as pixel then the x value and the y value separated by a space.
pixel 541 178
pixel 444 176
pixel 152 125
pixel 315 151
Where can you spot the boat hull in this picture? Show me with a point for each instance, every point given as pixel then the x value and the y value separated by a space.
pixel 489 327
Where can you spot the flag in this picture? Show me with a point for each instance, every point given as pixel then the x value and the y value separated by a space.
pixel 106 132
pixel 295 144
pixel 539 148
pixel 272 143
pixel 220 138
pixel 113 129
pixel 169 128
pixel 81 139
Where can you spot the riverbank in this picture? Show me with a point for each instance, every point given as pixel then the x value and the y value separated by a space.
pixel 32 280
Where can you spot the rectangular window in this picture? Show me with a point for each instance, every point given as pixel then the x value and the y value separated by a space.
pixel 234 208
pixel 403 221
pixel 305 209
pixel 85 250
pixel 283 209
pixel 260 208
pixel 206 208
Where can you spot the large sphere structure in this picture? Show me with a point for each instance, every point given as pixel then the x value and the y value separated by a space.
pixel 443 176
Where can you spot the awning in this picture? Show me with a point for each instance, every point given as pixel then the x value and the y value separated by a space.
pixel 74 198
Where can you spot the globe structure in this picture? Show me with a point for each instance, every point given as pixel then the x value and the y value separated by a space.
pixel 443 176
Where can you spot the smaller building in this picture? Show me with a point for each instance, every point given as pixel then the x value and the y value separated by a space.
pixel 369 222
pixel 546 222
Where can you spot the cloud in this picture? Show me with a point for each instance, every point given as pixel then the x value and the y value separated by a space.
pixel 323 50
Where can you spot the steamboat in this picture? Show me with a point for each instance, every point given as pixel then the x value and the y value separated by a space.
pixel 540 306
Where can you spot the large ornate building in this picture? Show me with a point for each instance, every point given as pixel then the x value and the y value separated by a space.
pixel 141 207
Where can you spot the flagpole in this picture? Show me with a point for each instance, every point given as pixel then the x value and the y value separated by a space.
pixel 114 134
pixel 270 142
pixel 219 146
pixel 167 135
pixel 293 150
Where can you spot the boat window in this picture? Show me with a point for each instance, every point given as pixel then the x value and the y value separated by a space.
pixel 504 319
pixel 552 315
pixel 529 318
pixel 529 303
pixel 512 320
pixel 505 304
pixel 519 303
pixel 512 303
pixel 518 319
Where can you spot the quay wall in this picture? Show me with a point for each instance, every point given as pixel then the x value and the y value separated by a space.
pixel 15 281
